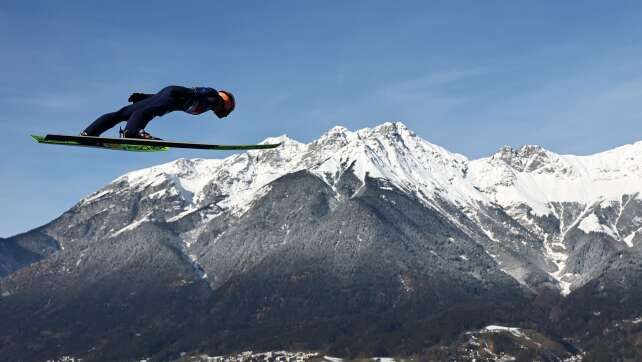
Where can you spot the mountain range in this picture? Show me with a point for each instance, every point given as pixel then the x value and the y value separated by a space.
pixel 361 243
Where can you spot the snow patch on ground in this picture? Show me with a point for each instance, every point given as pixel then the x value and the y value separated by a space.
pixel 131 226
pixel 592 224
pixel 95 196
pixel 197 266
pixel 181 215
pixel 333 359
pixel 629 239
pixel 497 329
pixel 565 286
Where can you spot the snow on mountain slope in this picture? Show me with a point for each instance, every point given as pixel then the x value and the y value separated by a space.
pixel 530 175
pixel 389 151
pixel 537 177
pixel 579 192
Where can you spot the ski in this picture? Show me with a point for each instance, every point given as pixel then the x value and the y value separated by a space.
pixel 140 145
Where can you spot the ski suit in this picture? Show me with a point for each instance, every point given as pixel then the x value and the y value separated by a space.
pixel 147 106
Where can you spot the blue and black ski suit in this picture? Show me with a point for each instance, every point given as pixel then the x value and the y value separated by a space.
pixel 147 106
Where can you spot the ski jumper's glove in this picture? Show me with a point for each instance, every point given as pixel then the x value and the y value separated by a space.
pixel 137 97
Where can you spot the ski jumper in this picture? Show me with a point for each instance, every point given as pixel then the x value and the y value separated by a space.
pixel 169 99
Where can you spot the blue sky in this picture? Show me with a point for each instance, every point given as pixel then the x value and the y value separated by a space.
pixel 467 75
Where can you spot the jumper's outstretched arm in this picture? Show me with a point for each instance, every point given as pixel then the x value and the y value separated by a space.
pixel 137 97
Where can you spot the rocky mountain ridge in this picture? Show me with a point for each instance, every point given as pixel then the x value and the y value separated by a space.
pixel 533 185
pixel 375 229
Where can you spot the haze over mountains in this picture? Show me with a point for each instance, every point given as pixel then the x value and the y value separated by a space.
pixel 368 242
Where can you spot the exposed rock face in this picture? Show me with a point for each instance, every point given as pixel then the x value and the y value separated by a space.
pixel 356 241
pixel 24 249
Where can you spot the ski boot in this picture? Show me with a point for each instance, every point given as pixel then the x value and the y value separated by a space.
pixel 141 134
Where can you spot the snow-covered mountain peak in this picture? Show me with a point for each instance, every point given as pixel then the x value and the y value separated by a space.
pixel 529 158
pixel 393 152
pixel 337 130
pixel 525 182
pixel 389 151
pixel 334 138
pixel 529 174
pixel 288 149
pixel 284 138
pixel 536 177
pixel 392 127
pixel 341 136
pixel 392 130
pixel 584 194
pixel 403 140
pixel 504 154
pixel 623 161
pixel 615 163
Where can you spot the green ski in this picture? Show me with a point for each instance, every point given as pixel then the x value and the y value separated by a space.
pixel 139 145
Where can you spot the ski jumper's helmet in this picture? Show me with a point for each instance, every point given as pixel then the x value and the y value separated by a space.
pixel 220 110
